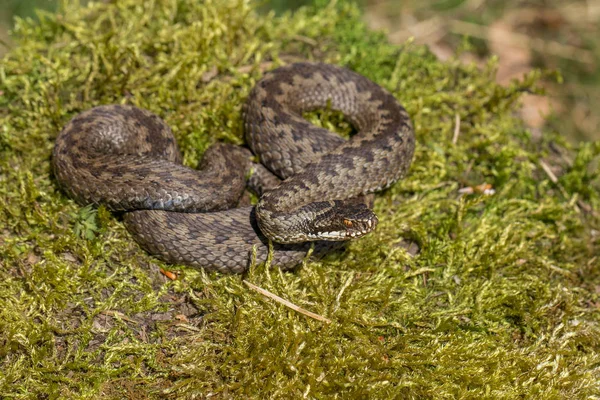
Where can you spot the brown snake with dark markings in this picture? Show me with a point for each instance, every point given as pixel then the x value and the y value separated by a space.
pixel 127 159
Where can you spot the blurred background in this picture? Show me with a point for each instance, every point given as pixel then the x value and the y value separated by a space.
pixel 524 34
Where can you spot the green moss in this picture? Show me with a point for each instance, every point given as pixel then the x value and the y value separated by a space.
pixel 502 300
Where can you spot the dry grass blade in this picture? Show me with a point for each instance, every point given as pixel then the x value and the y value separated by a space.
pixel 518 39
pixel 428 31
pixel 119 315
pixel 456 129
pixel 286 303
pixel 549 172
pixel 554 180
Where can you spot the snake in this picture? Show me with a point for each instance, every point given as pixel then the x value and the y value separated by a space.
pixel 316 187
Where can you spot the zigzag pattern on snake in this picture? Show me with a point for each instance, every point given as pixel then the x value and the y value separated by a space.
pixel 314 185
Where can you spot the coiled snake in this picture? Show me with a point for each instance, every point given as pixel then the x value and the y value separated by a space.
pixel 127 158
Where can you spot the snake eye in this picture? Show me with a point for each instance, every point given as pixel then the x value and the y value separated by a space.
pixel 348 223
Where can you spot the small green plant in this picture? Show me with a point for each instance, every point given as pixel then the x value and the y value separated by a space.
pixel 85 223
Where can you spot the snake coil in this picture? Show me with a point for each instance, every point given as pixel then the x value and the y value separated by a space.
pixel 315 185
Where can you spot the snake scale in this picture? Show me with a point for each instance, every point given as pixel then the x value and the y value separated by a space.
pixel 315 186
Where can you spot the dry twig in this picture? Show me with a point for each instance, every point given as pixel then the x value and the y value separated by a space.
pixel 549 172
pixel 286 303
pixel 456 129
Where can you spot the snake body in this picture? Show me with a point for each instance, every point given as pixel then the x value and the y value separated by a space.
pixel 315 185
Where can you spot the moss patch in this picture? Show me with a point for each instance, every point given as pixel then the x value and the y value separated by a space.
pixel 500 301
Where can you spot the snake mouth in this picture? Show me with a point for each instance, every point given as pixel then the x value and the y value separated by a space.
pixel 360 227
pixel 349 228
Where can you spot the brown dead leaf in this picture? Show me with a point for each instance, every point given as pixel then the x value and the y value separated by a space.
pixel 32 258
pixel 210 74
pixel 514 62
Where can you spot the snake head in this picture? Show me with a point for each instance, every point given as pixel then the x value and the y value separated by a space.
pixel 334 220
pixel 343 220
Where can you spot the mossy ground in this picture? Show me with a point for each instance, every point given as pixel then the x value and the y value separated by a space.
pixel 501 301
